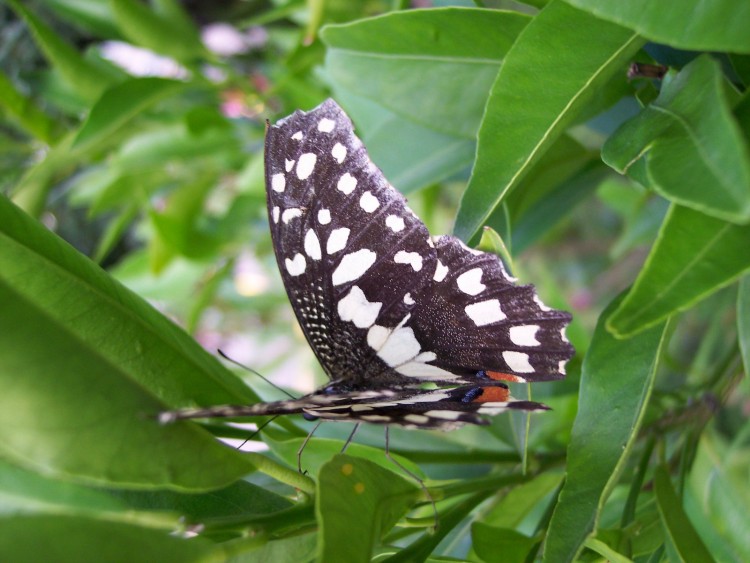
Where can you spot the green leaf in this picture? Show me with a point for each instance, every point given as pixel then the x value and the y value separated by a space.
pixel 719 25
pixel 606 551
pixel 357 502
pixel 501 545
pixel 616 381
pixel 743 321
pixel 79 538
pixel 694 151
pixel 94 16
pixel 23 491
pixel 680 532
pixel 418 62
pixel 410 155
pixel 161 34
pixel 122 103
pixel 515 506
pixel 693 256
pixel 82 361
pixel 85 78
pixel 23 110
pixel 522 120
pixel 717 496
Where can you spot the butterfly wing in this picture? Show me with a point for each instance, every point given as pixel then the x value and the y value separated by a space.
pixel 381 302
pixel 349 249
pixel 478 320
pixel 440 409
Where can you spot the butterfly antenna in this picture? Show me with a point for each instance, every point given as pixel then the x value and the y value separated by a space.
pixel 304 445
pixel 351 436
pixel 412 475
pixel 254 434
pixel 251 370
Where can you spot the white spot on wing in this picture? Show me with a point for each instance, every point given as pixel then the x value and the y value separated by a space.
pixel 296 266
pixel 288 164
pixel 357 309
pixel 542 306
pixel 517 361
pixel 278 182
pixel 395 223
pixel 445 415
pixel 324 216
pixel 563 335
pixel 375 418
pixel 290 214
pixel 337 240
pixel 326 125
pixel 440 272
pixel 306 165
pixel 339 152
pixel 276 211
pixel 471 282
pixel 417 418
pixel 376 336
pixel 561 367
pixel 418 368
pixel 524 335
pixel 400 346
pixel 408 299
pixel 485 312
pixel 353 266
pixel 312 245
pixel 297 136
pixel 347 183
pixel 369 202
pixel 411 258
pixel 470 250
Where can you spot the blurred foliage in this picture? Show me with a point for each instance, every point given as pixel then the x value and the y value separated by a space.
pixel 131 167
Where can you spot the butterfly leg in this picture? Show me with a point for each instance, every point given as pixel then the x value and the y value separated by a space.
pixel 304 445
pixel 410 474
pixel 349 439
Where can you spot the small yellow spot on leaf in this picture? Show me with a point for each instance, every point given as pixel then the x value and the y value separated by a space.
pixel 359 488
pixel 347 469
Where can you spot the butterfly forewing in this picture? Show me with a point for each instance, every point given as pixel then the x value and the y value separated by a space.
pixel 350 251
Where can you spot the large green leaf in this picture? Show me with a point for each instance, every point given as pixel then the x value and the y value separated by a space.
pixel 681 535
pixel 85 365
pixel 159 32
pixel 410 154
pixel 357 502
pixel 30 539
pixel 25 113
pixel 717 496
pixel 694 151
pixel 743 321
pixel 417 63
pixel 616 382
pixel 550 75
pixel 693 256
pixel 500 545
pixel 122 103
pixel 85 78
pixel 719 25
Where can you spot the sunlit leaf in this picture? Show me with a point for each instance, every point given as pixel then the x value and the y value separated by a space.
pixel 616 382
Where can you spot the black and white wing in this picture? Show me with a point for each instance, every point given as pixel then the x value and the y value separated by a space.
pixel 380 301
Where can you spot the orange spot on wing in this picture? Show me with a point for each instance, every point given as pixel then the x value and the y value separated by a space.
pixel 493 395
pixel 499 376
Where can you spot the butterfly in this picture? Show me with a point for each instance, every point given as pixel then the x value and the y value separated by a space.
pixel 412 330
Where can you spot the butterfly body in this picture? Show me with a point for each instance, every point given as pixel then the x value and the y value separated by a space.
pixel 412 330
